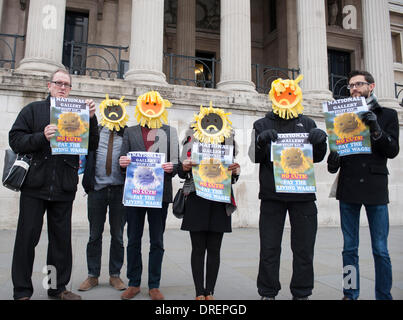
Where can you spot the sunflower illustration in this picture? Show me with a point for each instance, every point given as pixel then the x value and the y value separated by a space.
pixel 212 171
pixel 113 113
pixel 212 125
pixel 293 160
pixel 286 97
pixel 151 109
pixel 348 125
pixel 70 125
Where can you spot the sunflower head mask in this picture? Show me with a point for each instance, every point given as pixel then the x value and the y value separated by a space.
pixel 151 109
pixel 113 113
pixel 286 97
pixel 212 125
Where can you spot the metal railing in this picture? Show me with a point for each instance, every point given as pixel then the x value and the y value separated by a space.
pixel 338 86
pixel 8 46
pixel 189 70
pixel 398 91
pixel 264 75
pixel 94 59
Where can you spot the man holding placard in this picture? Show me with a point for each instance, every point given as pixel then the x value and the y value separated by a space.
pixel 363 180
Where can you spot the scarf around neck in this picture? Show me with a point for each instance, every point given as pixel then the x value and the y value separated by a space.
pixel 372 101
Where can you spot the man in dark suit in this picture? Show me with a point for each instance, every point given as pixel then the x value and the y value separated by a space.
pixel 162 140
pixel 363 180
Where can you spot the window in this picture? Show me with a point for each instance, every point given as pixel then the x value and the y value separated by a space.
pixel 397 47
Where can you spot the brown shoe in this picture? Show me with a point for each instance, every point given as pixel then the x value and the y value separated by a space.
pixel 68 295
pixel 210 297
pixel 88 284
pixel 24 298
pixel 130 293
pixel 117 283
pixel 201 298
pixel 156 294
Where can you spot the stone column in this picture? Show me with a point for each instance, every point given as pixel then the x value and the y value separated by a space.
pixel 1 13
pixel 378 54
pixel 44 39
pixel 235 46
pixel 146 46
pixel 312 49
pixel 186 39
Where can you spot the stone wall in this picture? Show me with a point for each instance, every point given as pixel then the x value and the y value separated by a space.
pixel 17 90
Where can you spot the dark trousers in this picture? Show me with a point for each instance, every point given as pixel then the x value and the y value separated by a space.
pixel 201 242
pixel 98 203
pixel 303 221
pixel 29 229
pixel 135 227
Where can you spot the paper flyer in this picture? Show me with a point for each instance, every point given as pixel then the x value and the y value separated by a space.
pixel 144 184
pixel 72 117
pixel 347 134
pixel 211 176
pixel 293 164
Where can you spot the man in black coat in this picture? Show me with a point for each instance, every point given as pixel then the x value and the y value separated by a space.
pixel 50 185
pixel 363 180
pixel 274 206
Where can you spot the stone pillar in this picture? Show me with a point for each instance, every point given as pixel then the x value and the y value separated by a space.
pixel 146 46
pixel 44 39
pixel 312 49
pixel 378 54
pixel 1 13
pixel 186 39
pixel 235 46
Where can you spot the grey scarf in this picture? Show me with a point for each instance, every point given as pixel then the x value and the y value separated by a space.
pixel 372 101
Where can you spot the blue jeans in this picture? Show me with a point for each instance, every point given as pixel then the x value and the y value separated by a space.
pixel 135 227
pixel 98 202
pixel 378 220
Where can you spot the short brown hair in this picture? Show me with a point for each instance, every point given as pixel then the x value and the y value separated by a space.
pixel 368 77
pixel 62 71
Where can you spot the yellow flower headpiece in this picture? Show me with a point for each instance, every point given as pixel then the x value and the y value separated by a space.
pixel 212 125
pixel 70 125
pixel 151 109
pixel 286 97
pixel 113 113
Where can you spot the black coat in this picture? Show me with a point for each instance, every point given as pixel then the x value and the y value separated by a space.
pixel 302 124
pixel 166 141
pixel 90 163
pixel 363 178
pixel 50 177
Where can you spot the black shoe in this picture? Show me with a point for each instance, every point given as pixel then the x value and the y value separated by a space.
pixel 65 295
pixel 300 298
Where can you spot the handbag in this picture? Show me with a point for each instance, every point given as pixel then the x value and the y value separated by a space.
pixel 178 207
pixel 15 169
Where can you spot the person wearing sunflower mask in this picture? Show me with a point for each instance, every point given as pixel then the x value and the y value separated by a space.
pixel 286 117
pixel 207 220
pixel 103 182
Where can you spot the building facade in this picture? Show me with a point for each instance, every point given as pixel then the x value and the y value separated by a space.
pixel 197 51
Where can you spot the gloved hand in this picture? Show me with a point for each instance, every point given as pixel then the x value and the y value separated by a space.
pixel 333 162
pixel 370 119
pixel 317 136
pixel 267 136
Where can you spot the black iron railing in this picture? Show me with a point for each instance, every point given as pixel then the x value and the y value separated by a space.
pixel 191 71
pixel 94 59
pixel 8 46
pixel 398 93
pixel 338 86
pixel 264 75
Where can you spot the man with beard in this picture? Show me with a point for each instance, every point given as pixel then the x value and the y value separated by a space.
pixel 363 180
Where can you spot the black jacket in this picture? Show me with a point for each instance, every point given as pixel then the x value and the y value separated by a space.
pixel 50 177
pixel 166 141
pixel 363 178
pixel 90 163
pixel 302 124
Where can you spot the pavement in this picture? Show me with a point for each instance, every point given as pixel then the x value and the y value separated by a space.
pixel 238 269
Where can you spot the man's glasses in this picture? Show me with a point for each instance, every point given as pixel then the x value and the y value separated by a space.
pixel 61 84
pixel 357 85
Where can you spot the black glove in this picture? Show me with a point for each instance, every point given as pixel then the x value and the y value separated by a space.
pixel 333 162
pixel 370 119
pixel 317 136
pixel 267 136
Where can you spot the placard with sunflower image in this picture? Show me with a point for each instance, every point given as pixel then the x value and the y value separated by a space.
pixel 347 134
pixel 292 157
pixel 211 176
pixel 71 116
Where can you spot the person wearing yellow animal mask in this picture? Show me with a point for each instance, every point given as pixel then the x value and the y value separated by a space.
pixel 103 182
pixel 286 117
pixel 150 135
pixel 206 220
